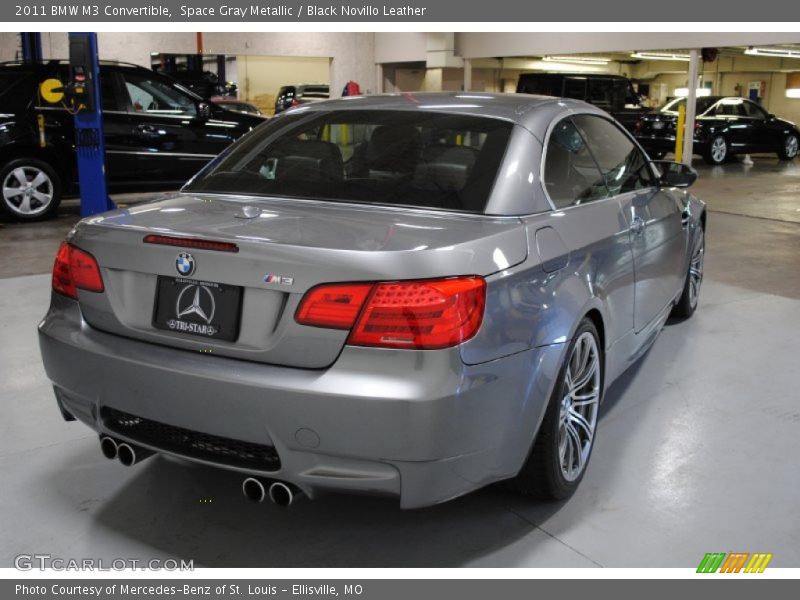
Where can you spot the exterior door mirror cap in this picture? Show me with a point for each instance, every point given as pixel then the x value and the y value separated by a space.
pixel 675 174
pixel 203 110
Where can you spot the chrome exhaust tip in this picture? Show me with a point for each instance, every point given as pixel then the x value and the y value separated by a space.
pixel 253 490
pixel 282 494
pixel 129 455
pixel 108 447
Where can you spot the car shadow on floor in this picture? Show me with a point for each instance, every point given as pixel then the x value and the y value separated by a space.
pixel 196 512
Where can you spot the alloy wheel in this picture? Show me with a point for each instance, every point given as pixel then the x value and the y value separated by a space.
pixel 719 149
pixel 579 405
pixel 696 270
pixel 28 190
pixel 791 146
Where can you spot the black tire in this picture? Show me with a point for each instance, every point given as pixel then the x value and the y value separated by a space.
pixel 687 304
pixel 29 204
pixel 711 154
pixel 541 475
pixel 789 148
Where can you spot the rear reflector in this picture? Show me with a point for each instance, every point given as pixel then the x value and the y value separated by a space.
pixel 75 269
pixel 166 240
pixel 422 315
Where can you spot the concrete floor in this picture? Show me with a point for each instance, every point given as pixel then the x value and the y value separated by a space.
pixel 696 452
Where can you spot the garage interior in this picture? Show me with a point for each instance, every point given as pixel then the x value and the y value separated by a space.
pixel 697 441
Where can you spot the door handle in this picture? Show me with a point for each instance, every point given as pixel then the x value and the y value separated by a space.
pixel 686 218
pixel 638 225
pixel 148 130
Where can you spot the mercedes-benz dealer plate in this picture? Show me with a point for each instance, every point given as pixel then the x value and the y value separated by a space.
pixel 200 308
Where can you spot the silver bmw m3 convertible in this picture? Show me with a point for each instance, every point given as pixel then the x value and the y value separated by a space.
pixel 411 295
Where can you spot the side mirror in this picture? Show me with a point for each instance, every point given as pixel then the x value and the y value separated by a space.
pixel 203 110
pixel 674 174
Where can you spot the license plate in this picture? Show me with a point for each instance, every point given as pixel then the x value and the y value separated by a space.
pixel 658 125
pixel 199 308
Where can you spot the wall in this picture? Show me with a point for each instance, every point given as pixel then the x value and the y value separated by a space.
pixel 260 77
pixel 351 54
pixel 485 45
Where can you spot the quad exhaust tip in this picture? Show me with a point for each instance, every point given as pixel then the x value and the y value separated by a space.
pixel 129 454
pixel 279 493
pixel 109 447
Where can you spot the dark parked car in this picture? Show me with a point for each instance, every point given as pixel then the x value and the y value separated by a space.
pixel 724 126
pixel 295 95
pixel 158 134
pixel 613 93
pixel 236 105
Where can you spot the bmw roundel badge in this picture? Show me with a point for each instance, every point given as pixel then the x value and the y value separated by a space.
pixel 184 264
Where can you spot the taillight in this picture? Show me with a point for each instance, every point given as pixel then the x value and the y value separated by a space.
pixel 427 314
pixel 335 306
pixel 637 127
pixel 75 269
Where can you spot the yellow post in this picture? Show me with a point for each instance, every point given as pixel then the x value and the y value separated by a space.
pixel 679 133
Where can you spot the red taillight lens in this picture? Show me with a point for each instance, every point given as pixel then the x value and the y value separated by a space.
pixel 335 306
pixel 424 315
pixel 75 269
pixel 637 127
pixel 421 314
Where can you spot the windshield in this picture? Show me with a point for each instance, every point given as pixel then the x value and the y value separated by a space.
pixel 701 106
pixel 402 158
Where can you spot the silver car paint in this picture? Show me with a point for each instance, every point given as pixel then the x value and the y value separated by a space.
pixel 425 426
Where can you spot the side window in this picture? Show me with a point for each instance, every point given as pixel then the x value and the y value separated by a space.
pixel 571 175
pixel 574 87
pixel 149 95
pixel 108 92
pixel 731 108
pixel 623 165
pixel 751 109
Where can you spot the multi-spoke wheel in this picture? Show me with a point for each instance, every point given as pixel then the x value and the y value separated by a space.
pixel 789 148
pixel 31 189
pixel 694 278
pixel 566 436
pixel 717 151
pixel 578 414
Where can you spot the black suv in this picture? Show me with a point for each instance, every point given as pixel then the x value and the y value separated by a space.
pixel 158 134
pixel 613 93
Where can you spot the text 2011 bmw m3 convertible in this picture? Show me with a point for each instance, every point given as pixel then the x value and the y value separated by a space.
pixel 411 295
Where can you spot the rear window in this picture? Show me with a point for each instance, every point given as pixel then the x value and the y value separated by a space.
pixel 397 158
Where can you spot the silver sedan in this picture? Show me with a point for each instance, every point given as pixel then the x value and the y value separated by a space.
pixel 410 295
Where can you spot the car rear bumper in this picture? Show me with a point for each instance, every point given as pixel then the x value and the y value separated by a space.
pixel 419 425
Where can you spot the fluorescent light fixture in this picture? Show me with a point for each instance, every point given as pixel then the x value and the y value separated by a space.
pixel 578 60
pixel 700 92
pixel 660 56
pixel 776 52
pixel 794 93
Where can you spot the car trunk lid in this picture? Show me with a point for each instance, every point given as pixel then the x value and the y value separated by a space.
pixel 283 248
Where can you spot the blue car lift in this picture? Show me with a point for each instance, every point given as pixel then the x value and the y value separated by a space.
pixel 89 141
pixel 89 138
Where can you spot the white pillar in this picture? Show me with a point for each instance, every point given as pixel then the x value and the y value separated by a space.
pixel 378 79
pixel 467 75
pixel 691 106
